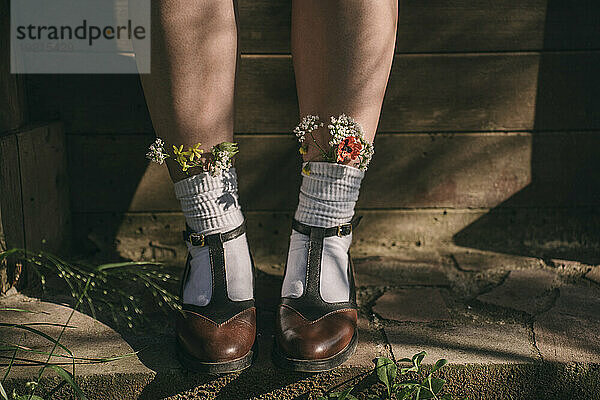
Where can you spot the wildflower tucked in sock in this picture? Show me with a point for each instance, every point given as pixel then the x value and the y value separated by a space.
pixel 348 144
pixel 327 198
pixel 220 157
pixel 210 205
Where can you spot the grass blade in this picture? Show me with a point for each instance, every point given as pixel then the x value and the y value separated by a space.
pixel 10 346
pixel 21 310
pixel 3 393
pixel 104 267
pixel 37 332
pixel 69 379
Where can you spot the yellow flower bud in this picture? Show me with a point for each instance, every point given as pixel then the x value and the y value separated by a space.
pixel 306 170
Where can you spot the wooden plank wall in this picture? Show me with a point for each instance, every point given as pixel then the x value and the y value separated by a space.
pixel 491 105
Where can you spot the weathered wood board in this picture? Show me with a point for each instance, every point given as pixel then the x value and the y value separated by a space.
pixel 525 231
pixel 430 93
pixel 408 171
pixel 490 105
pixel 11 204
pixel 34 186
pixel 448 25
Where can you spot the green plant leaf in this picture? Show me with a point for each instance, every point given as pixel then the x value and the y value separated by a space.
pixel 404 394
pixel 346 394
pixel 439 364
pixel 404 371
pixel 69 379
pixel 437 384
pixel 447 396
pixel 418 393
pixel 386 372
pixel 416 363
pixel 409 383
pixel 417 358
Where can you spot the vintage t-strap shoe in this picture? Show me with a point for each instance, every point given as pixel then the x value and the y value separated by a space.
pixel 313 335
pixel 219 337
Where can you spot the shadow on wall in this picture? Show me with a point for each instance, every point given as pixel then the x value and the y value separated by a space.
pixel 565 160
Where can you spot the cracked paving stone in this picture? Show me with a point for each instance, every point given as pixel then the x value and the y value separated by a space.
pixel 371 344
pixel 475 260
pixel 463 344
pixel 85 337
pixel 570 331
pixel 524 290
pixel 413 304
pixel 409 271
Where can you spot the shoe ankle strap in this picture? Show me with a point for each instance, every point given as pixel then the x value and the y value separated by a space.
pixel 198 239
pixel 339 230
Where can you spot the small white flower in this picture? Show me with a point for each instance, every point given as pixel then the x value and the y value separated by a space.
pixel 157 152
pixel 308 124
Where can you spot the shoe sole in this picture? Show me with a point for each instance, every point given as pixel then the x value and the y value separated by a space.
pixel 215 368
pixel 322 365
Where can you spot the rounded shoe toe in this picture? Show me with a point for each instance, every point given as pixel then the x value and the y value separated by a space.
pixel 210 342
pixel 303 339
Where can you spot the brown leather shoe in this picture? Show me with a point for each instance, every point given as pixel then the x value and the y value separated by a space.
pixel 219 337
pixel 311 334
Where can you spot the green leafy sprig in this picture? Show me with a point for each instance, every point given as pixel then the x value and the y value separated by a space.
pixel 219 158
pixel 423 388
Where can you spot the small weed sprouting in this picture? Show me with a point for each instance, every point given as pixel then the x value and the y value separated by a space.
pixel 417 387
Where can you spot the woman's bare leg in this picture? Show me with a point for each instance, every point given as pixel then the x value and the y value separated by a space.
pixel 190 95
pixel 190 89
pixel 342 52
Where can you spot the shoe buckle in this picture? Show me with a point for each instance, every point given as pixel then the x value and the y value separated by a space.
pixel 196 239
pixel 340 227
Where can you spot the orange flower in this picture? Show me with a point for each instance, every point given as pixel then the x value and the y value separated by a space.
pixel 349 148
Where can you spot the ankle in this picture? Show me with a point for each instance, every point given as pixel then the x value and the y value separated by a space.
pixel 210 203
pixel 328 194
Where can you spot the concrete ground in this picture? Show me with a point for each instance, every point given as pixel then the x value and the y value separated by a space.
pixel 511 328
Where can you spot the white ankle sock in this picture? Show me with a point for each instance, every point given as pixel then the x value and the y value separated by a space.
pixel 210 205
pixel 327 198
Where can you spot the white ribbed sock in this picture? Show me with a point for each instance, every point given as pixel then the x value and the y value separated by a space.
pixel 327 198
pixel 210 205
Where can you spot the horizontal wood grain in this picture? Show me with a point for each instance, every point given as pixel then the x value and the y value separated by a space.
pixel 407 171
pixel 433 93
pixel 147 236
pixel 548 233
pixel 448 25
